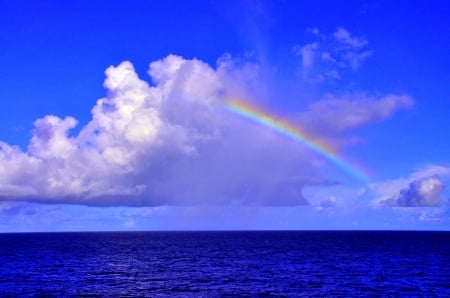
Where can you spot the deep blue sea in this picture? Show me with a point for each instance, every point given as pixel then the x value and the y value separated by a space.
pixel 225 264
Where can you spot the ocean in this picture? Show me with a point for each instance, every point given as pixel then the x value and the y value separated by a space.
pixel 225 264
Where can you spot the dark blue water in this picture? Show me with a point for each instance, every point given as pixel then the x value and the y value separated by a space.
pixel 217 264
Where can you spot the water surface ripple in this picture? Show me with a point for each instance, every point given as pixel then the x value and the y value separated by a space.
pixel 221 264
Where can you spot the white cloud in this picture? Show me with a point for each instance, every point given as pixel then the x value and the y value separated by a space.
pixel 173 143
pixel 308 53
pixel 344 37
pixel 351 49
pixel 424 188
pixel 313 30
pixel 422 192
pixel 330 55
pixel 432 215
pixel 338 114
pixel 431 170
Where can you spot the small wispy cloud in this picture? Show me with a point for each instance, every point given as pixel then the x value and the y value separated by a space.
pixel 329 55
pixel 334 114
pixel 346 39
pixel 432 215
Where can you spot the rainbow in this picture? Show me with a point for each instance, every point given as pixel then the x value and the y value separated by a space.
pixel 285 128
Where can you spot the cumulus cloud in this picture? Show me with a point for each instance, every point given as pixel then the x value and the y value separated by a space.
pixel 425 192
pixel 172 142
pixel 329 55
pixel 424 188
pixel 168 143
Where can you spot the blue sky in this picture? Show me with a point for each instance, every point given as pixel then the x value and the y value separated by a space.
pixel 112 115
